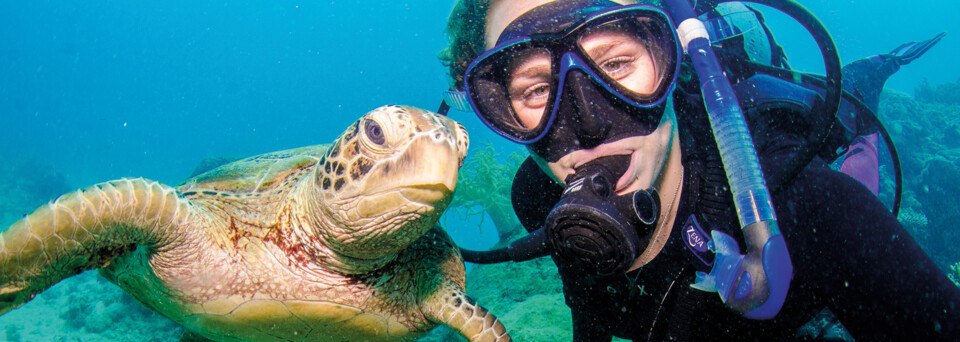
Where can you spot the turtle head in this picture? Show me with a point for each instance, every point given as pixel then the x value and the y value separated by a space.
pixel 387 180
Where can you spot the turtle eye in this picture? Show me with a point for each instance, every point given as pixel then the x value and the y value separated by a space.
pixel 373 132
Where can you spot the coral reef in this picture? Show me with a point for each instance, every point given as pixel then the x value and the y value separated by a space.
pixel 526 296
pixel 926 131
pixel 483 186
pixel 947 93
pixel 86 308
pixel 11 333
pixel 824 327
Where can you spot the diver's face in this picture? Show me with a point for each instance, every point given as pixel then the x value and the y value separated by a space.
pixel 529 89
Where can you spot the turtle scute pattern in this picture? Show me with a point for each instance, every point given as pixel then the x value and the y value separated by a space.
pixel 320 243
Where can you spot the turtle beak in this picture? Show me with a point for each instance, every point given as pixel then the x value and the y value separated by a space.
pixel 438 159
pixel 436 166
pixel 425 172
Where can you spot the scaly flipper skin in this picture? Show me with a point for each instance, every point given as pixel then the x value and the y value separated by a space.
pixel 83 230
pixel 464 315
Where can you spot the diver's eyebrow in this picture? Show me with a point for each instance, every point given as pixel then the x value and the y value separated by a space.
pixel 602 49
pixel 533 71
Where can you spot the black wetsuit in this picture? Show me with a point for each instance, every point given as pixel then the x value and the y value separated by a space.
pixel 849 254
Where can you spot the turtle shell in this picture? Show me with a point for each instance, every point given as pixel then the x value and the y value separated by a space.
pixel 258 173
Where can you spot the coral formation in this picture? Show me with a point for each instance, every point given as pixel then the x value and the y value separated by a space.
pixel 947 93
pixel 824 327
pixel 926 131
pixel 87 308
pixel 526 296
pixel 11 333
pixel 483 186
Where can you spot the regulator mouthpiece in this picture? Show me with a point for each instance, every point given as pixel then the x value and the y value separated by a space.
pixel 595 229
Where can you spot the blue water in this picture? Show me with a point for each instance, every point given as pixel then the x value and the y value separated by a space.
pixel 864 28
pixel 108 89
pixel 99 90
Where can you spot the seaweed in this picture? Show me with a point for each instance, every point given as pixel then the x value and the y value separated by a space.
pixel 483 187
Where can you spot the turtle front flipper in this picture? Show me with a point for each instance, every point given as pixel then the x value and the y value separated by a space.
pixel 454 309
pixel 83 230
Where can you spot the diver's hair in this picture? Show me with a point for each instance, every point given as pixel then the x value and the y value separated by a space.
pixel 465 32
pixel 466 29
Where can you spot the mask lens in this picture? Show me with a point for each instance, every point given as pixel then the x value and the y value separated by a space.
pixel 630 56
pixel 529 85
pixel 512 89
pixel 513 86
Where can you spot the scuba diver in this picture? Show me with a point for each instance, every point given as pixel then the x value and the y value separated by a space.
pixel 644 208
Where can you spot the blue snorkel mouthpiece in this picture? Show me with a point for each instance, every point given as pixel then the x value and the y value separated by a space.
pixel 754 284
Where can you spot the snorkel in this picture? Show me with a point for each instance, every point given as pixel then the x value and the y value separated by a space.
pixel 754 284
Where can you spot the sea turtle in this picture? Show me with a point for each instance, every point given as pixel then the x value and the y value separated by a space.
pixel 316 243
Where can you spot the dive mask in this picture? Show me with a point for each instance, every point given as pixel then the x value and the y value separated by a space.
pixel 631 51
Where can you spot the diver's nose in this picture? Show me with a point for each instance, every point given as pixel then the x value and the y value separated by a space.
pixel 581 95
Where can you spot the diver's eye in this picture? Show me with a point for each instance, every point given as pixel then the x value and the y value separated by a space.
pixel 373 132
pixel 618 67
